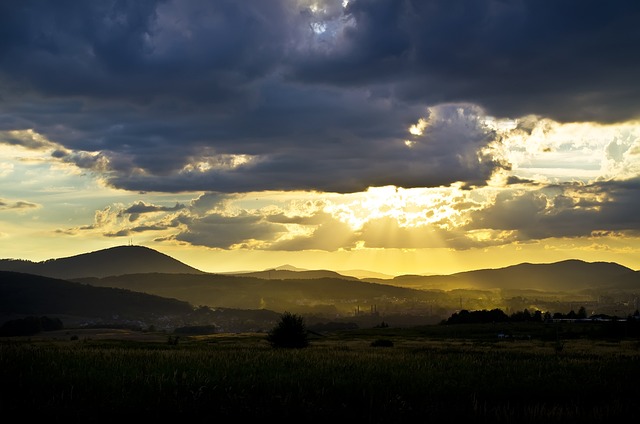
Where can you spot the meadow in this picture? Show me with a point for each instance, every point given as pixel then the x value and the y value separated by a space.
pixel 382 375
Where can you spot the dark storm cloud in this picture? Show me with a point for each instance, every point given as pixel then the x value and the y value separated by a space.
pixel 221 231
pixel 235 96
pixel 140 49
pixel 447 152
pixel 563 59
pixel 28 141
pixel 569 210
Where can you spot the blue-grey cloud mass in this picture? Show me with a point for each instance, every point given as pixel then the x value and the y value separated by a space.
pixel 237 96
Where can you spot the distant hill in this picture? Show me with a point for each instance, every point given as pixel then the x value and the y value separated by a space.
pixel 364 274
pixel 625 282
pixel 102 263
pixel 427 296
pixel 291 274
pixel 569 275
pixel 288 267
pixel 27 294
pixel 77 304
pixel 328 296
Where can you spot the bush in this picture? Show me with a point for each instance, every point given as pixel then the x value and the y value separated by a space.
pixel 291 332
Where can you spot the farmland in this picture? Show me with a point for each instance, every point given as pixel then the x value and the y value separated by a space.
pixel 446 373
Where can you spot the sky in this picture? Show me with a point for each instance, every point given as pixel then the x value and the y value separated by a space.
pixel 396 136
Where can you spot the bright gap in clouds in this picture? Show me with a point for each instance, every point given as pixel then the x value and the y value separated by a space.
pixel 545 150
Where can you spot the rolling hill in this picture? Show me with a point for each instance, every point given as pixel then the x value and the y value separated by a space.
pixel 102 263
pixel 328 294
pixel 80 305
pixel 569 275
pixel 288 274
pixel 28 294
pixel 563 276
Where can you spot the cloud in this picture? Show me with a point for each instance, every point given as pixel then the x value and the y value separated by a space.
pixel 556 59
pixel 387 232
pixel 225 232
pixel 27 139
pixel 325 232
pixel 213 201
pixel 17 205
pixel 125 232
pixel 445 217
pixel 499 113
pixel 134 211
pixel 117 220
pixel 292 95
pixel 568 210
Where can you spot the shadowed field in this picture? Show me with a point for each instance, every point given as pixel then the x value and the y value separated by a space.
pixel 421 375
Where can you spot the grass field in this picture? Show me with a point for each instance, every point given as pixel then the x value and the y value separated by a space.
pixel 429 374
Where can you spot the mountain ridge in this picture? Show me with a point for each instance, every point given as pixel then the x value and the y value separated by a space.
pixel 133 259
pixel 30 294
pixel 570 274
pixel 328 295
pixel 81 305
pixel 118 260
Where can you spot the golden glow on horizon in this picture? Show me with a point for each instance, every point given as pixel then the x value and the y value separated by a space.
pixel 625 251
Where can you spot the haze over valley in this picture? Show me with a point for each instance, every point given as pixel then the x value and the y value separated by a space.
pixel 136 284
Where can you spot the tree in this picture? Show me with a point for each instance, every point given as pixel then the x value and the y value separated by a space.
pixel 483 316
pixel 291 332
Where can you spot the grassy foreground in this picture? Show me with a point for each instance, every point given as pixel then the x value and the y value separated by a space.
pixel 422 377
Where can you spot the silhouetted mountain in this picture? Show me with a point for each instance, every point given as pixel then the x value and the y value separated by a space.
pixel 323 293
pixel 569 275
pixel 289 274
pixel 113 261
pixel 78 304
pixel 364 274
pixel 329 296
pixel 288 267
pixel 27 294
pixel 626 281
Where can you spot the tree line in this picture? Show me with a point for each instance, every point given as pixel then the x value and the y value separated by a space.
pixel 498 315
pixel 29 326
